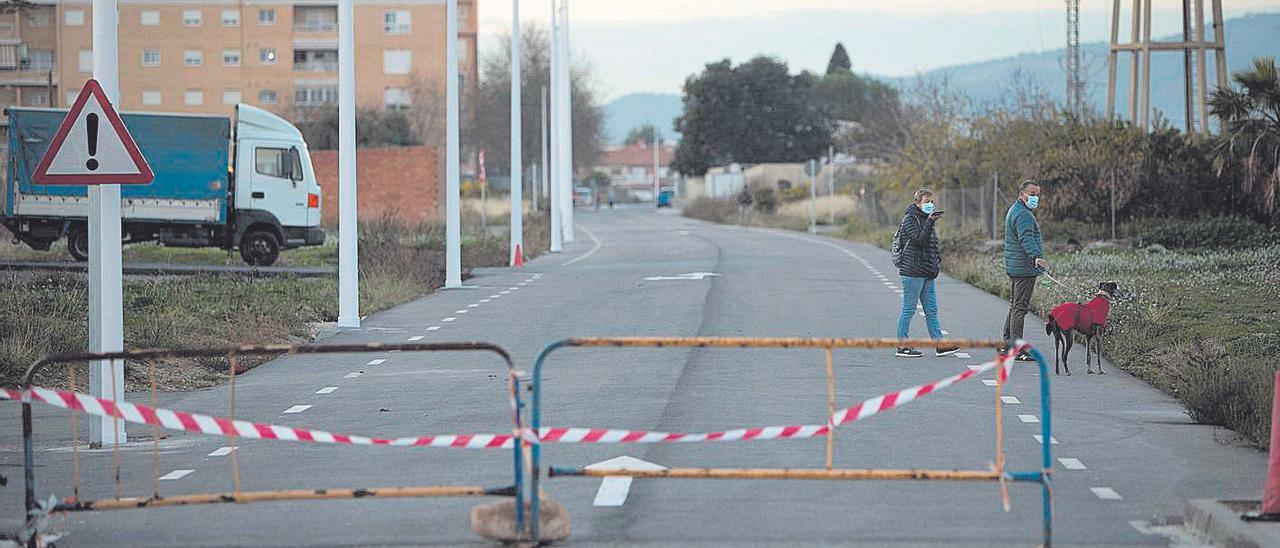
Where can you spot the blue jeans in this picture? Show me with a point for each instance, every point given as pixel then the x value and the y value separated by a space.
pixel 919 290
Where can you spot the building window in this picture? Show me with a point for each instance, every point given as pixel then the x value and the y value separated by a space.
pixel 396 99
pixel 230 96
pixel 397 21
pixel 315 18
pixel 192 58
pixel 193 97
pixel 40 60
pixel 150 57
pixel 266 17
pixel 150 18
pixel 86 60
pixel 191 18
pixel 35 97
pixel 267 56
pixel 231 57
pixel 315 60
pixel 464 13
pixel 397 61
pixel 74 18
pixel 267 97
pixel 230 18
pixel 38 18
pixel 315 95
pixel 151 97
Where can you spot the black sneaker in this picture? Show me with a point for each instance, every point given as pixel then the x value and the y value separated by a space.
pixel 908 353
pixel 948 351
pixel 1024 357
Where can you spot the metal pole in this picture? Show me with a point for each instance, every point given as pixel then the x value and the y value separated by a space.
pixel 1113 203
pixel 566 121
pixel 517 135
pixel 348 234
pixel 657 184
pixel 453 217
pixel 553 136
pixel 963 207
pixel 1134 65
pixel 1202 78
pixel 106 293
pixel 1112 58
pixel 1188 88
pixel 813 196
pixel 1145 116
pixel 831 185
pixel 995 204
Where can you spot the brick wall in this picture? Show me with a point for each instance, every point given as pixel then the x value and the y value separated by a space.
pixel 399 179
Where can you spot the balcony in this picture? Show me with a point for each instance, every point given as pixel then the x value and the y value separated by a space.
pixel 315 19
pixel 315 60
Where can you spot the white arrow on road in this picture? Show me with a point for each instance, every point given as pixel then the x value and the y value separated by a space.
pixel 689 276
pixel 613 491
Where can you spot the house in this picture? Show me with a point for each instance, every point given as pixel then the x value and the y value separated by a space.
pixel 630 168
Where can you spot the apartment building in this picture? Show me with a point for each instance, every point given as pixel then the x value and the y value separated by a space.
pixel 205 56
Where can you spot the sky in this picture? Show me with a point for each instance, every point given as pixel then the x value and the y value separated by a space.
pixel 639 46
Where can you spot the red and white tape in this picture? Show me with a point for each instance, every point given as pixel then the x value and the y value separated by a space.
pixel 218 426
pixel 863 410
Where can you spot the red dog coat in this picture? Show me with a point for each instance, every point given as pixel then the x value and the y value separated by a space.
pixel 1080 317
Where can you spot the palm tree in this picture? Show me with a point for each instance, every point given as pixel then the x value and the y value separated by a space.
pixel 1249 115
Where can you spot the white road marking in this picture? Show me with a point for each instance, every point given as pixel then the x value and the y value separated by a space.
pixel 522 284
pixel 176 475
pixel 613 490
pixel 505 292
pixel 378 361
pixel 463 311
pixel 961 355
pixel 449 319
pixel 1106 493
pixel 352 375
pixel 1012 400
pixel 486 300
pixel 1039 438
pixel 473 305
pixel 529 280
pixel 596 247
pixel 1030 419
pixel 327 390
pixel 1072 464
pixel 433 328
pixel 1142 526
pixel 989 382
pixel 974 367
pixel 297 409
pixel 415 338
pixel 513 288
pixel 945 332
pixel 494 296
pixel 222 451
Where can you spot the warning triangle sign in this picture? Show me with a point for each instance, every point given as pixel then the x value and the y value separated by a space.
pixel 92 147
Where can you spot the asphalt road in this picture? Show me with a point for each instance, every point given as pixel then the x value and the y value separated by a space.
pixel 1133 456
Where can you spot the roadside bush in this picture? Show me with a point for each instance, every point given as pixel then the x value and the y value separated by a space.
pixel 1208 233
pixel 1220 390
pixel 796 193
pixel 765 200
pixel 711 210
pixel 1061 230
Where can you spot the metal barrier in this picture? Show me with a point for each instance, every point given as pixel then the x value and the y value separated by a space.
pixel 36 510
pixel 998 474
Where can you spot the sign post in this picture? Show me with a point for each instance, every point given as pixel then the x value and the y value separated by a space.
pixel 93 147
pixel 517 135
pixel 348 223
pixel 452 155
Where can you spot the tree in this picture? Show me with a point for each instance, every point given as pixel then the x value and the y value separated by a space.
pixel 754 112
pixel 840 62
pixel 641 134
pixel 1250 119
pixel 493 106
pixel 374 127
pixel 426 112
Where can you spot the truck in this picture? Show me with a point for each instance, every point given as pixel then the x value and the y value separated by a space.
pixel 253 190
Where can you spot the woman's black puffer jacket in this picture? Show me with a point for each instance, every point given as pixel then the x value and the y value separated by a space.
pixel 919 257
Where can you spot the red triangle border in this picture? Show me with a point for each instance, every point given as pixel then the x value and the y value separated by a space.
pixel 42 175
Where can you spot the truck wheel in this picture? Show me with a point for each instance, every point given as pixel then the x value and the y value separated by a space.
pixel 259 248
pixel 78 245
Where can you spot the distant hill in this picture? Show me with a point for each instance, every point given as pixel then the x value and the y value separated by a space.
pixel 630 111
pixel 1254 35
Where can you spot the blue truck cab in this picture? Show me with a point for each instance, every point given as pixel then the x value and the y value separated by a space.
pixel 253 190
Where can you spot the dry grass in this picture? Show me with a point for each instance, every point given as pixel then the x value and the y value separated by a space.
pixel 843 206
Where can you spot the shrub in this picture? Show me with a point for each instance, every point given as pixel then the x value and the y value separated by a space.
pixel 764 199
pixel 796 193
pixel 712 210
pixel 1213 232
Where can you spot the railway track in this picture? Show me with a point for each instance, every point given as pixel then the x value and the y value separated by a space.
pixel 161 269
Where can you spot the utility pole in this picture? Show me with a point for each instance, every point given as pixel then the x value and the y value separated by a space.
pixel 657 183
pixel 995 204
pixel 568 193
pixel 554 135
pixel 106 293
pixel 517 151
pixel 452 156
pixel 813 196
pixel 1113 203
pixel 1075 78
pixel 831 185
pixel 348 231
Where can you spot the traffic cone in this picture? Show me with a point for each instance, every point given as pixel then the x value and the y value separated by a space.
pixel 518 261
pixel 1271 494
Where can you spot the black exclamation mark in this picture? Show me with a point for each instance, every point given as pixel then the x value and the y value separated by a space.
pixel 91 123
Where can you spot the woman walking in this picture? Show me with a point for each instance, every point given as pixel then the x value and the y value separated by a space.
pixel 915 253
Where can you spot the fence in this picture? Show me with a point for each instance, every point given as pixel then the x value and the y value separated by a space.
pixel 541 436
pixel 233 429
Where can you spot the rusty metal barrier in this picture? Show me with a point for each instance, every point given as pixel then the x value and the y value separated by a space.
pixel 37 511
pixel 997 474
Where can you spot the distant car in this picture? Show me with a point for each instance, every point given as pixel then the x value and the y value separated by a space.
pixel 665 197
pixel 582 196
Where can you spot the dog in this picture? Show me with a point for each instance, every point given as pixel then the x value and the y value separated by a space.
pixel 1088 319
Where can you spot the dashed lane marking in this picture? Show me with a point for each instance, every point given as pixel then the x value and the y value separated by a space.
pixel 1029 419
pixel 327 390
pixel 1072 464
pixel 473 305
pixel 961 355
pixel 297 409
pixel 486 300
pixel 415 338
pixel 974 367
pixel 463 311
pixel 1106 493
pixel 495 296
pixel 377 361
pixel 989 382
pixel 945 332
pixel 175 475
pixel 1039 438
pixel 1011 400
pixel 433 328
pixel 222 451
pixel 352 375
pixel 449 319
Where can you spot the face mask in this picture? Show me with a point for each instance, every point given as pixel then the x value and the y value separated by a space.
pixel 1033 202
pixel 928 208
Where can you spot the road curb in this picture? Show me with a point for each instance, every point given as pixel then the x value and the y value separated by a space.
pixel 1219 520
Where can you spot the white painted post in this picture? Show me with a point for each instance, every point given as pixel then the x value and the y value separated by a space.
pixel 452 216
pixel 566 121
pixel 831 185
pixel 106 292
pixel 517 152
pixel 553 136
pixel 348 229
pixel 657 183
pixel 540 190
pixel 813 196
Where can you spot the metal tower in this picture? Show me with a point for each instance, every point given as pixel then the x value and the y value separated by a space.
pixel 1075 80
pixel 1195 48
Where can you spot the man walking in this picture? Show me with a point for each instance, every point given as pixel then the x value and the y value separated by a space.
pixel 1023 260
pixel 744 204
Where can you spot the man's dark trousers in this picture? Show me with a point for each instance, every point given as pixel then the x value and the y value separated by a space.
pixel 1021 288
